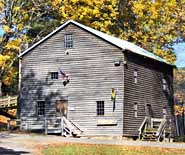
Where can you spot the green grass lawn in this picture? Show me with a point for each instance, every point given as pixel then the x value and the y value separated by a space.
pixel 86 149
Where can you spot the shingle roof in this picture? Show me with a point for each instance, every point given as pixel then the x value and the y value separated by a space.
pixel 123 44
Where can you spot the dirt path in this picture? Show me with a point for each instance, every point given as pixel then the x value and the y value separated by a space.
pixel 28 144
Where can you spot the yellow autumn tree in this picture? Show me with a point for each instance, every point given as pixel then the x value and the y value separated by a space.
pixel 16 19
pixel 155 25
pixel 99 14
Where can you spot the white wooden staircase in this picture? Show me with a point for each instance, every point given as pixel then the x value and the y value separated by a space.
pixel 154 129
pixel 61 125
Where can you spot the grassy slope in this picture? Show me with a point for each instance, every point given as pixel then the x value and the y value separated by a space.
pixel 86 149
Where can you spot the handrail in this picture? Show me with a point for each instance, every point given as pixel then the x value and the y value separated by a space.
pixel 161 129
pixel 71 123
pixel 9 101
pixel 65 125
pixel 142 126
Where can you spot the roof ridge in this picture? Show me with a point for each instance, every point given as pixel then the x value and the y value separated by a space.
pixel 123 44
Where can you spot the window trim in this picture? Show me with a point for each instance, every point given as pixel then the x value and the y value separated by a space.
pixel 68 41
pixel 100 110
pixel 37 108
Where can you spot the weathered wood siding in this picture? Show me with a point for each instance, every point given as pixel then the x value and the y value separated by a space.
pixel 148 90
pixel 90 65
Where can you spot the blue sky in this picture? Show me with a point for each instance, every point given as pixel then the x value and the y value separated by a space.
pixel 179 50
pixel 1 31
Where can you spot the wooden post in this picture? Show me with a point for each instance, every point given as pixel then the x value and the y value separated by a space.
pixel 9 101
pixel 8 125
pixel 27 126
pixel 46 126
pixel 62 125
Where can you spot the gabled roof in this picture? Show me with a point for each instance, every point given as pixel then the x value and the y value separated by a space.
pixel 123 44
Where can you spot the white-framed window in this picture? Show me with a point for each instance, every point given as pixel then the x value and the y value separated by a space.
pixel 135 109
pixel 68 41
pixel 100 111
pixel 135 76
pixel 40 108
pixel 54 75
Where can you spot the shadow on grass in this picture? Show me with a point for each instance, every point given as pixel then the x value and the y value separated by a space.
pixel 6 151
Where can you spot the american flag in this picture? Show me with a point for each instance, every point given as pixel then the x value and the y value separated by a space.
pixel 62 75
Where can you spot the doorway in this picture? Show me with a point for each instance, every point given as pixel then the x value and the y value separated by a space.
pixel 148 110
pixel 61 108
pixel 149 114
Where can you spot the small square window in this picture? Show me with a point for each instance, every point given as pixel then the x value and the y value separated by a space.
pixel 54 75
pixel 68 42
pixel 40 108
pixel 100 108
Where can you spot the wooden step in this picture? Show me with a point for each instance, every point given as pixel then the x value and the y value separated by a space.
pixel 150 132
pixel 54 131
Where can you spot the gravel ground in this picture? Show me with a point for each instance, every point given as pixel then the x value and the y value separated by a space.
pixel 29 144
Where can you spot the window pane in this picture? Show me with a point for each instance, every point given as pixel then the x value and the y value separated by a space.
pixel 100 108
pixel 135 80
pixel 68 43
pixel 40 108
pixel 54 75
pixel 135 76
pixel 164 83
pixel 135 73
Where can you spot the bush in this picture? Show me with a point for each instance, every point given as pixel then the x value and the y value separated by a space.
pixel 179 139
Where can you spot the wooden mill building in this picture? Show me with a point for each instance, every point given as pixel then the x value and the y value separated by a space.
pixel 101 84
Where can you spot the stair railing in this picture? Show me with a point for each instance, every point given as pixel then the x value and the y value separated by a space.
pixel 161 130
pixel 69 126
pixel 143 127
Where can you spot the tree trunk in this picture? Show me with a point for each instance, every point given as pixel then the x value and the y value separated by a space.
pixel 1 93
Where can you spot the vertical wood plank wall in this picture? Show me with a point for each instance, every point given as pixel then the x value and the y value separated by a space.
pixel 90 65
pixel 148 90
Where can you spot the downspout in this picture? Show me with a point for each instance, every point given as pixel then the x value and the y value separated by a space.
pixel 123 87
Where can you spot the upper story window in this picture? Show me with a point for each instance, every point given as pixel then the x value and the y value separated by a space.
pixel 100 108
pixel 68 42
pixel 40 108
pixel 135 76
pixel 164 112
pixel 135 109
pixel 164 83
pixel 54 75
